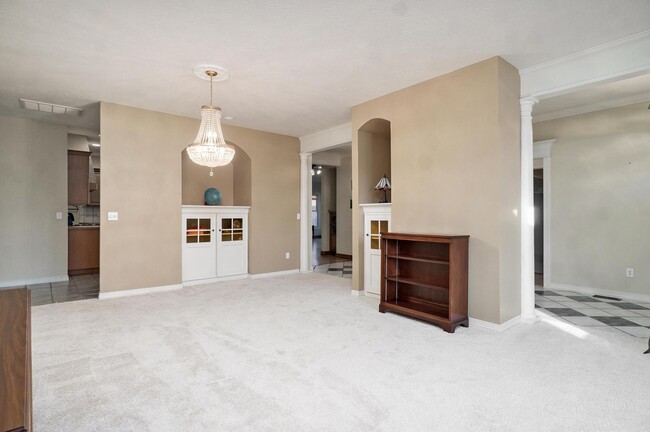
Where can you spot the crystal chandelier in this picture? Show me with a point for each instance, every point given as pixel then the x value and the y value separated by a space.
pixel 209 147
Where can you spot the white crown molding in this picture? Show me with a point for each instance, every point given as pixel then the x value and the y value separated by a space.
pixel 592 107
pixel 328 138
pixel 22 282
pixel 614 60
pixel 138 291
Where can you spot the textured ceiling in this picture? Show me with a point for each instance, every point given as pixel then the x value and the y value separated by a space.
pixel 297 66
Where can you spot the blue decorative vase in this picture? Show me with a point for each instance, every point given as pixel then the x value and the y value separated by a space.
pixel 212 196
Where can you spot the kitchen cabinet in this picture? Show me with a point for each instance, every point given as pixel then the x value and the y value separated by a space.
pixel 94 191
pixel 215 243
pixel 78 173
pixel 83 250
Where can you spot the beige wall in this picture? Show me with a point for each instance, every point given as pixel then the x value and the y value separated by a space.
pixel 33 187
pixel 600 198
pixel 455 170
pixel 343 210
pixel 374 162
pixel 142 180
pixel 196 179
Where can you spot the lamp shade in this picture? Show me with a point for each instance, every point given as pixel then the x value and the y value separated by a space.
pixel 384 184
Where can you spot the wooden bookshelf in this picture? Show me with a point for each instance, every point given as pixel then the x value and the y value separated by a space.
pixel 425 277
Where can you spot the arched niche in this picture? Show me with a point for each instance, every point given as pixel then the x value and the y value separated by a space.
pixel 374 142
pixel 232 180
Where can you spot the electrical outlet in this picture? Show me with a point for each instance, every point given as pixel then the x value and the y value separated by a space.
pixel 287 255
pixel 112 216
pixel 59 215
pixel 298 216
pixel 629 272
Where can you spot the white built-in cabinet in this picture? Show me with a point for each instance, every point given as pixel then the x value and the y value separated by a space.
pixel 376 220
pixel 215 242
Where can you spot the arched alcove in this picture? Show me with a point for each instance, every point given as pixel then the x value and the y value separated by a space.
pixel 232 180
pixel 374 150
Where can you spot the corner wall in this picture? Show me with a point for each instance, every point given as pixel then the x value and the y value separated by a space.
pixel 455 170
pixel 600 198
pixel 141 179
pixel 33 187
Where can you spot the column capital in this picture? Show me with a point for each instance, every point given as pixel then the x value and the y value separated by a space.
pixel 304 156
pixel 527 105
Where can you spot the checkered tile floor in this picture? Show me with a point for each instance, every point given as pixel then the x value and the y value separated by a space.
pixel 341 269
pixel 630 317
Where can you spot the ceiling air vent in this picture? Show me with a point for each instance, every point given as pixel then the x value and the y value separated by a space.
pixel 49 107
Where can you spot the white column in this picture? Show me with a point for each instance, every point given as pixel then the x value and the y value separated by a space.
pixel 527 211
pixel 305 213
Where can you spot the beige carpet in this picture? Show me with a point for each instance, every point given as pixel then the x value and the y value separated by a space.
pixel 299 353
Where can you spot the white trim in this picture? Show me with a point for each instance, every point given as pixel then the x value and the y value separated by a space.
pixel 608 62
pixel 542 149
pixel 138 291
pixel 371 294
pixel 305 212
pixel 526 210
pixel 357 293
pixel 216 209
pixel 495 327
pixel 645 298
pixel 274 274
pixel 214 280
pixel 21 282
pixel 591 107
pixel 321 140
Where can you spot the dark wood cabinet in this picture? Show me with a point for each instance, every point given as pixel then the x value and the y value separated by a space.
pixel 332 231
pixel 78 170
pixel 83 250
pixel 15 360
pixel 425 277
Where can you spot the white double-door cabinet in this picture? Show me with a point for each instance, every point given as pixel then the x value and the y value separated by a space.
pixel 376 220
pixel 215 242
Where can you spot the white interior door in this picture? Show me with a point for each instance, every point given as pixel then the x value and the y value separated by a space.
pixel 374 226
pixel 199 251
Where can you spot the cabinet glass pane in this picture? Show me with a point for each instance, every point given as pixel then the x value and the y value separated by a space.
pixel 226 236
pixel 383 226
pixel 374 242
pixel 204 238
pixel 192 224
pixel 374 227
pixel 226 223
pixel 192 239
pixel 204 224
pixel 237 235
pixel 237 223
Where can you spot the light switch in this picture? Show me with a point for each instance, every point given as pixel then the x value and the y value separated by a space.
pixel 59 215
pixel 112 216
pixel 298 216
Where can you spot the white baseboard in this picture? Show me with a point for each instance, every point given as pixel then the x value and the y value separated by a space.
pixel 214 280
pixel 495 327
pixel 357 293
pixel 597 291
pixel 21 282
pixel 372 295
pixel 138 291
pixel 274 274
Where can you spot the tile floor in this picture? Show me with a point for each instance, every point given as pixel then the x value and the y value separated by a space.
pixel 77 288
pixel 341 269
pixel 632 318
